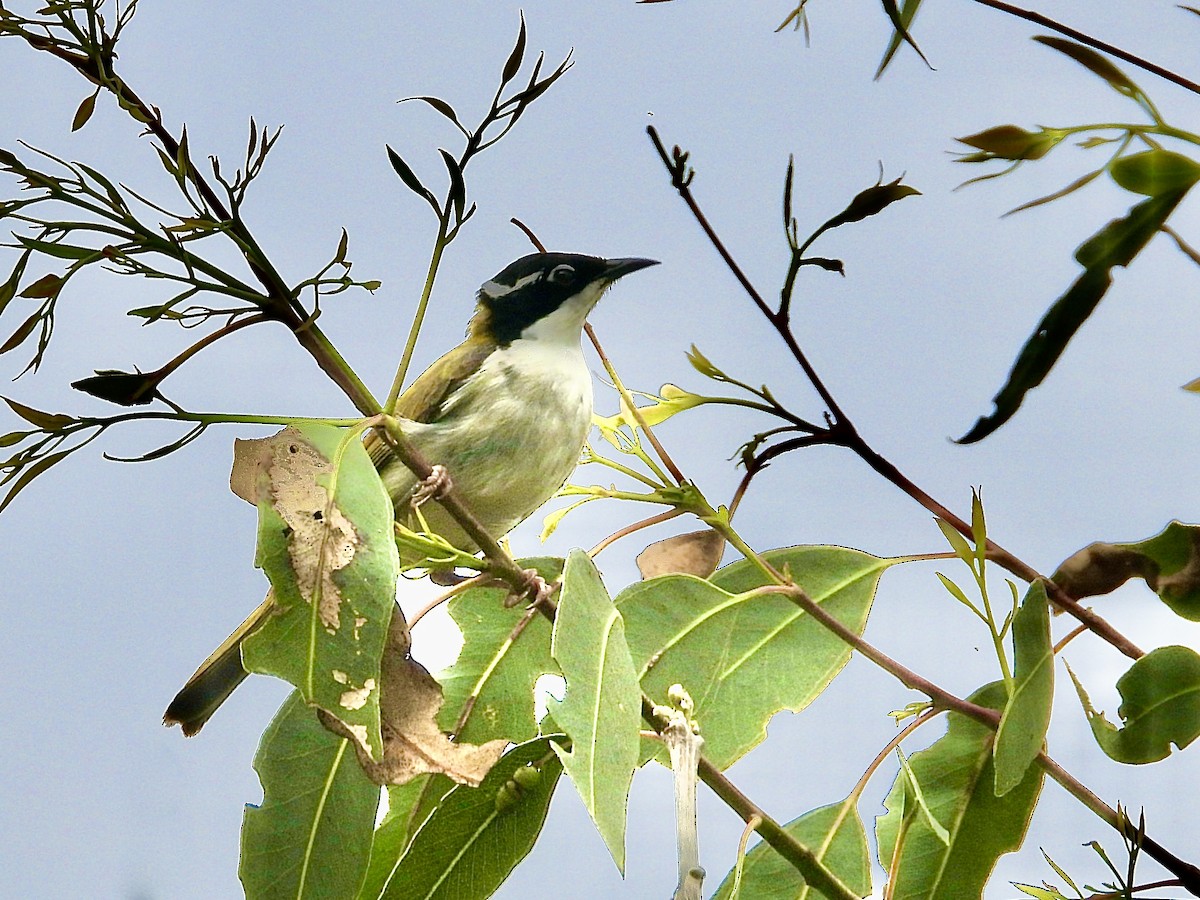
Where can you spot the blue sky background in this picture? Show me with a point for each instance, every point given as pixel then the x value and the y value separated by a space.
pixel 119 579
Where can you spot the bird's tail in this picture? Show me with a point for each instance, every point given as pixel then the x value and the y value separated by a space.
pixel 217 678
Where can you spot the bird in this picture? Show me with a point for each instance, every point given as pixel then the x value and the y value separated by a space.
pixel 505 415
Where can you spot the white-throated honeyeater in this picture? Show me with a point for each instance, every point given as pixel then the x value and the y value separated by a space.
pixel 506 413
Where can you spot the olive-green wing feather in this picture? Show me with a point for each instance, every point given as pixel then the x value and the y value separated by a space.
pixel 425 399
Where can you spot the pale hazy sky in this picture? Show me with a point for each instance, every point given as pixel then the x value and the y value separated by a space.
pixel 120 579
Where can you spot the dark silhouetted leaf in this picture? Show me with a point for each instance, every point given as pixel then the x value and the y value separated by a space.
pixel 513 64
pixel 409 177
pixel 46 286
pixel 122 388
pixel 84 112
pixel 1116 244
pixel 458 188
pixel 43 420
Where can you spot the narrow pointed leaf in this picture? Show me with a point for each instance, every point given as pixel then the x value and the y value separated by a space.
pixel 901 31
pixel 311 836
pixel 1116 244
pixel 958 782
pixel 908 12
pixel 602 708
pixel 837 838
pixel 1093 62
pixel 33 471
pixel 1022 732
pixel 409 177
pixel 474 839
pixel 409 807
pixel 43 420
pixel 744 658
pixel 513 64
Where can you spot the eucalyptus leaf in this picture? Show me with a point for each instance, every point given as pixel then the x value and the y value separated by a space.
pixel 836 836
pixel 1116 244
pixel 471 843
pixel 1022 732
pixel 311 836
pixel 325 541
pixel 496 668
pixel 1160 707
pixel 958 783
pixel 744 657
pixel 602 709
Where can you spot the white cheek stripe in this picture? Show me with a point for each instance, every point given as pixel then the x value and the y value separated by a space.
pixel 496 290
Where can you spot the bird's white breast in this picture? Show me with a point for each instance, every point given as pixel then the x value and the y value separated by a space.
pixel 512 433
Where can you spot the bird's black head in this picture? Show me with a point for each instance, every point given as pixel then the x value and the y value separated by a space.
pixel 535 286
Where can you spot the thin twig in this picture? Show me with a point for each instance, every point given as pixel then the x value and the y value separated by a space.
pixel 1095 43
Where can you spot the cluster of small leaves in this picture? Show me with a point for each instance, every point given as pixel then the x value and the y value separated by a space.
pixel 1137 162
pixel 55 436
pixel 869 202
pixel 497 122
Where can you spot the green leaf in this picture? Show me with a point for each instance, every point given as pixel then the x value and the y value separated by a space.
pixel 1169 563
pixel 1022 732
pixel 499 672
pixel 471 843
pixel 325 542
pixel 1009 142
pixel 908 12
pixel 957 780
pixel 1116 244
pixel 870 202
pixel 311 836
pixel 1155 172
pixel 1160 706
pixel 602 709
pixel 1093 62
pixel 409 807
pixel 896 17
pixel 744 658
pixel 836 836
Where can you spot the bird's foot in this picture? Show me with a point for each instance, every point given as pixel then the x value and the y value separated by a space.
pixel 436 486
pixel 537 591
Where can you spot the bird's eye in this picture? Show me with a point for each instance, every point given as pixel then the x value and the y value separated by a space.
pixel 562 274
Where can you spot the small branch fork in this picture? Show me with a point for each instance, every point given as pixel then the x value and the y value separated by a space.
pixel 839 429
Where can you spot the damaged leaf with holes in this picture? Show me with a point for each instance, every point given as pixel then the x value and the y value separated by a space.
pixel 1169 563
pixel 325 543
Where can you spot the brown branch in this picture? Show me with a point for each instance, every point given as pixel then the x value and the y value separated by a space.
pixel 1094 43
pixel 841 429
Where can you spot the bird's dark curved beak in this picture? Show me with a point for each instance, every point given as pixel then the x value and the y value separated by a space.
pixel 615 268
